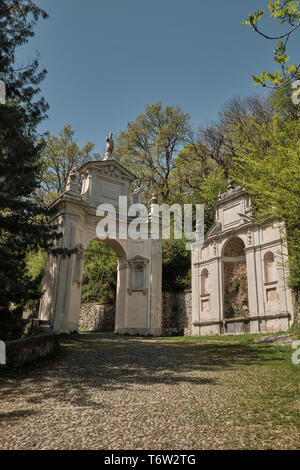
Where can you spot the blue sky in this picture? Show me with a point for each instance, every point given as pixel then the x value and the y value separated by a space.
pixel 106 59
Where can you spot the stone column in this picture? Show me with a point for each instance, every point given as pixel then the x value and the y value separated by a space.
pixel 252 288
pixel 66 318
pixel 121 296
pixel 155 288
pixel 195 292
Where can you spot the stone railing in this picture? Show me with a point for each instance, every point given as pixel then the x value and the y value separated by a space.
pixel 29 349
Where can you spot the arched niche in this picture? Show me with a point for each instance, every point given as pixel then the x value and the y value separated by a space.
pixel 235 284
pixel 204 285
pixel 270 284
pixel 270 269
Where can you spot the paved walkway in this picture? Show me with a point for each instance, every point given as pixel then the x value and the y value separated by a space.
pixel 108 392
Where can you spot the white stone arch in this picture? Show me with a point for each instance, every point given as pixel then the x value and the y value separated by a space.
pixel 234 266
pixel 118 247
pixel 226 240
pixel 138 311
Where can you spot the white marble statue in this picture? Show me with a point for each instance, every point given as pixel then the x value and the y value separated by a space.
pixel 137 196
pixel 109 147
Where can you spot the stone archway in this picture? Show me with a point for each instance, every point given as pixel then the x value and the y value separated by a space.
pixel 138 306
pixel 115 310
pixel 235 283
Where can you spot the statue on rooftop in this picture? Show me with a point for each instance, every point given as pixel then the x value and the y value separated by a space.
pixel 109 147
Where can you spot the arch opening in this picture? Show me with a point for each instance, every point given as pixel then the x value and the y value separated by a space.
pixel 235 279
pixel 99 285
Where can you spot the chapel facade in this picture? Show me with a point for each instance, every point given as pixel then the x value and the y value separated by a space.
pixel 239 275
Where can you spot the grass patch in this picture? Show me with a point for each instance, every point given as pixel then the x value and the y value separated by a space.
pixel 237 338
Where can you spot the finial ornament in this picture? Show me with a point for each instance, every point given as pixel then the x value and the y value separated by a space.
pixel 72 184
pixel 230 184
pixel 109 147
pixel 154 198
pixel 137 195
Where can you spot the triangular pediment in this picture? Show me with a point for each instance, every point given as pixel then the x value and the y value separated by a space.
pixel 110 167
pixel 138 259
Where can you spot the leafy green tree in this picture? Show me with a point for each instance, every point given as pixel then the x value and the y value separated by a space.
pixel 237 121
pixel 285 13
pixel 198 181
pixel 272 179
pixel 17 21
pixel 23 223
pixel 203 166
pixel 150 144
pixel 59 155
pixel 35 264
pixel 176 265
pixel 99 273
pixel 282 103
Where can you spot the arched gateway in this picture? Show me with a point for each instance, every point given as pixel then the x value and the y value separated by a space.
pixel 138 304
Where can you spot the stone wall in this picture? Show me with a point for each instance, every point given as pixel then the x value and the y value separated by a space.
pixel 26 350
pixel 97 316
pixel 177 313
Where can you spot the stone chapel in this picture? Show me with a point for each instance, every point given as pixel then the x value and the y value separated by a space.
pixel 239 276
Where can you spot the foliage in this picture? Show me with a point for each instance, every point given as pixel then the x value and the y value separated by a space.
pixel 195 185
pixel 23 226
pixel 17 20
pixel 216 145
pixel 35 264
pixel 283 12
pixel 12 325
pixel 176 265
pixel 59 155
pixel 150 144
pixel 282 102
pixel 23 223
pixel 272 179
pixel 99 273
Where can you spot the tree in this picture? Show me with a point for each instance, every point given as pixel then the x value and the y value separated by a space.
pixel 236 122
pixel 176 265
pixel 203 166
pixel 99 273
pixel 285 12
pixel 273 181
pixel 282 103
pixel 59 155
pixel 17 20
pixel 23 223
pixel 150 144
pixel 197 180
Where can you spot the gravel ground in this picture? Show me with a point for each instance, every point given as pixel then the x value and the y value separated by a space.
pixel 110 392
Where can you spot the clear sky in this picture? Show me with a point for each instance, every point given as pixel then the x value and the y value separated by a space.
pixel 107 59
